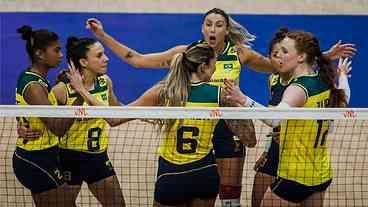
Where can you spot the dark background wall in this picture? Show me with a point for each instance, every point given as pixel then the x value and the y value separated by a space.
pixel 156 32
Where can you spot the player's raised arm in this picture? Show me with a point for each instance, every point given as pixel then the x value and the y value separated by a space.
pixel 131 56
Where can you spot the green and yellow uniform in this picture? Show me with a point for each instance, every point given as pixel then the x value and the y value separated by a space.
pixel 304 156
pixel 190 140
pixel 227 66
pixel 36 157
pixel 47 138
pixel 277 89
pixel 89 135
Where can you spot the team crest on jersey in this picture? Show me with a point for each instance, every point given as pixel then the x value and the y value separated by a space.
pixel 228 66
pixel 102 81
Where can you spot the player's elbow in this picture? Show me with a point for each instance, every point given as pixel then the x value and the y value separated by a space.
pixel 138 61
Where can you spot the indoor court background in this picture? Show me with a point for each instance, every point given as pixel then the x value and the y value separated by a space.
pixel 150 26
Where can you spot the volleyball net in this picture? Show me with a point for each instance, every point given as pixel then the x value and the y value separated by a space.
pixel 133 147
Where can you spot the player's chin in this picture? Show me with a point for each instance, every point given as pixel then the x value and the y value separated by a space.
pixel 57 64
pixel 103 70
pixel 283 69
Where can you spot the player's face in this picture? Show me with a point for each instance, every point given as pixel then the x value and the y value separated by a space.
pixel 214 29
pixel 96 59
pixel 275 56
pixel 288 56
pixel 52 55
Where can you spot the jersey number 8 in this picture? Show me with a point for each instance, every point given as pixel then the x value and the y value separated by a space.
pixel 93 142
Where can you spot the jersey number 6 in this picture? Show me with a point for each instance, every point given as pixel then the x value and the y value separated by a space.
pixel 187 145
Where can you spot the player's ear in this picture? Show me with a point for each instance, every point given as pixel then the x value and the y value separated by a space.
pixel 301 58
pixel 202 68
pixel 39 54
pixel 83 62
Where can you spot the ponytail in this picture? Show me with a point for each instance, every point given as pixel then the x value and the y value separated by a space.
pixel 238 34
pixel 328 74
pixel 175 88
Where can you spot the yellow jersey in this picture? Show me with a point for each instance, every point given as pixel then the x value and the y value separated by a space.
pixel 227 65
pixel 190 140
pixel 47 138
pixel 304 156
pixel 88 135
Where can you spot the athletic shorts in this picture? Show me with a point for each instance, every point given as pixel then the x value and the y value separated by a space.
pixel 225 143
pixel 178 184
pixel 38 170
pixel 272 160
pixel 80 166
pixel 295 192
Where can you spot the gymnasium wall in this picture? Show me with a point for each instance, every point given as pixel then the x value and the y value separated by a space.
pixel 152 26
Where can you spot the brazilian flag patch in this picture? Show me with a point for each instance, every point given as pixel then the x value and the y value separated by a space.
pixel 228 66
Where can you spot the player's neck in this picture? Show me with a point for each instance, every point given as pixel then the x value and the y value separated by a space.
pixel 219 48
pixel 89 79
pixel 39 69
pixel 285 78
pixel 195 78
pixel 302 69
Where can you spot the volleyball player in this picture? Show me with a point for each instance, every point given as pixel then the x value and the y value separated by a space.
pixel 83 153
pixel 267 164
pixel 36 161
pixel 304 170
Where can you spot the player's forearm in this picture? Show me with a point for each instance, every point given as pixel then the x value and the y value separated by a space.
pixel 127 54
pixel 248 102
pixel 344 84
pixel 58 126
pixel 89 99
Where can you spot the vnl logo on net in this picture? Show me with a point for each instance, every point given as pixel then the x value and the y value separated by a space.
pixel 216 113
pixel 81 112
pixel 350 114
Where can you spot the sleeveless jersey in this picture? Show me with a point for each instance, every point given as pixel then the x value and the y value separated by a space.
pixel 47 138
pixel 277 89
pixel 190 140
pixel 227 65
pixel 88 135
pixel 304 156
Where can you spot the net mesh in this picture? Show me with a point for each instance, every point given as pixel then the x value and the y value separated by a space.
pixel 133 149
